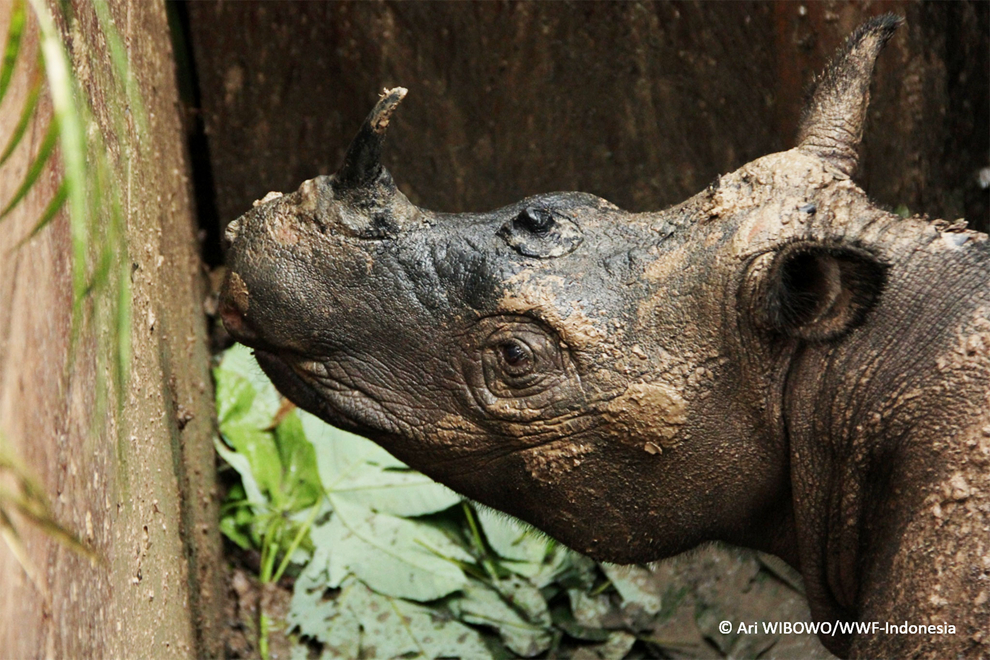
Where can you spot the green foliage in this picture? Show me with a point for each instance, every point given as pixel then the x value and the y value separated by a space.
pixel 391 564
pixel 635 585
pixel 277 465
pixel 359 622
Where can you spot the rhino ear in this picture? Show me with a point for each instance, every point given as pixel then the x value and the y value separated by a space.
pixel 832 122
pixel 817 292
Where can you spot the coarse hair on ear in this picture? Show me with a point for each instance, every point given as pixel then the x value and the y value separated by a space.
pixel 832 120
pixel 818 292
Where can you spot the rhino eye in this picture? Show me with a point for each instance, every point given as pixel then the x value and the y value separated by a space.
pixel 517 356
pixel 517 369
pixel 519 360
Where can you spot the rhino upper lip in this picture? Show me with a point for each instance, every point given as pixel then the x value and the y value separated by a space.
pixel 292 373
pixel 274 364
pixel 284 374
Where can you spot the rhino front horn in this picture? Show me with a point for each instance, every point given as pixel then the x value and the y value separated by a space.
pixel 832 122
pixel 363 163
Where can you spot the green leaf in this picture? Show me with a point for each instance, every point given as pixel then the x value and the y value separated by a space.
pixel 619 644
pixel 636 585
pixel 342 638
pixel 234 396
pixel 558 561
pixel 15 30
pixel 35 169
pixel 563 618
pixel 482 605
pixel 237 374
pixel 243 467
pixel 300 478
pixel 513 539
pixel 359 471
pixel 392 627
pixel 54 205
pixel 579 572
pixel 327 620
pixel 68 112
pixel 258 447
pixel 26 113
pixel 362 623
pixel 393 556
pixel 236 527
pixel 525 598
pixel 589 610
pixel 281 463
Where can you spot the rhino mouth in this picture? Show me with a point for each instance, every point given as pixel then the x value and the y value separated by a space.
pixel 294 382
pixel 286 379
pixel 345 405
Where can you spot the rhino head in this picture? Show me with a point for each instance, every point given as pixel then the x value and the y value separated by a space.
pixel 759 364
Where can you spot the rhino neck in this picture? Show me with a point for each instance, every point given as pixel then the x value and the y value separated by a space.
pixel 926 556
pixel 875 441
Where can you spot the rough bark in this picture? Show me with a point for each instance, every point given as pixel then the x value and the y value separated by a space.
pixel 140 487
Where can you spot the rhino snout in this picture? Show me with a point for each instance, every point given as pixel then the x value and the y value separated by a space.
pixel 233 308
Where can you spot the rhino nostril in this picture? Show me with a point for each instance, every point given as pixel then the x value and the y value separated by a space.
pixel 234 302
pixel 233 320
pixel 542 232
pixel 536 220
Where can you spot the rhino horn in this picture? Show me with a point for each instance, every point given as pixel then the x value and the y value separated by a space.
pixel 363 163
pixel 832 121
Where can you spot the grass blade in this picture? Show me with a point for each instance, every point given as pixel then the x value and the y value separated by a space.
pixel 72 137
pixel 54 204
pixel 17 19
pixel 118 55
pixel 47 146
pixel 30 501
pixel 29 105
pixel 16 546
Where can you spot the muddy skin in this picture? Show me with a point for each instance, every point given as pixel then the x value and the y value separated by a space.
pixel 775 363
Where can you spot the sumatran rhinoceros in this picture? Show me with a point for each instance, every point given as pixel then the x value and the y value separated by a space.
pixel 777 363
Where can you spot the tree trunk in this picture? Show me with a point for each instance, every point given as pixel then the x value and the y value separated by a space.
pixel 138 486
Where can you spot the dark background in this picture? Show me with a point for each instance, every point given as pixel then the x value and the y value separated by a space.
pixel 640 103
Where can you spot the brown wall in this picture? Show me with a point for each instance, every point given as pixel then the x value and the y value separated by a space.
pixel 641 103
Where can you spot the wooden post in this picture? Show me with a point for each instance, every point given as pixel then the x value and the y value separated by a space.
pixel 140 487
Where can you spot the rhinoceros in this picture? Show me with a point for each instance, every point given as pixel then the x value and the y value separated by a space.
pixel 776 363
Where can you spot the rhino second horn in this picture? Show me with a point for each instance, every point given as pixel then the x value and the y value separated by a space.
pixel 832 122
pixel 363 162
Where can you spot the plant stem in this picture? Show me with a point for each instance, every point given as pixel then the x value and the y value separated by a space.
pixel 478 543
pixel 264 623
pixel 303 530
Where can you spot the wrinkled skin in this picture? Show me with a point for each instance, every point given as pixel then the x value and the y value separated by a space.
pixel 775 363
